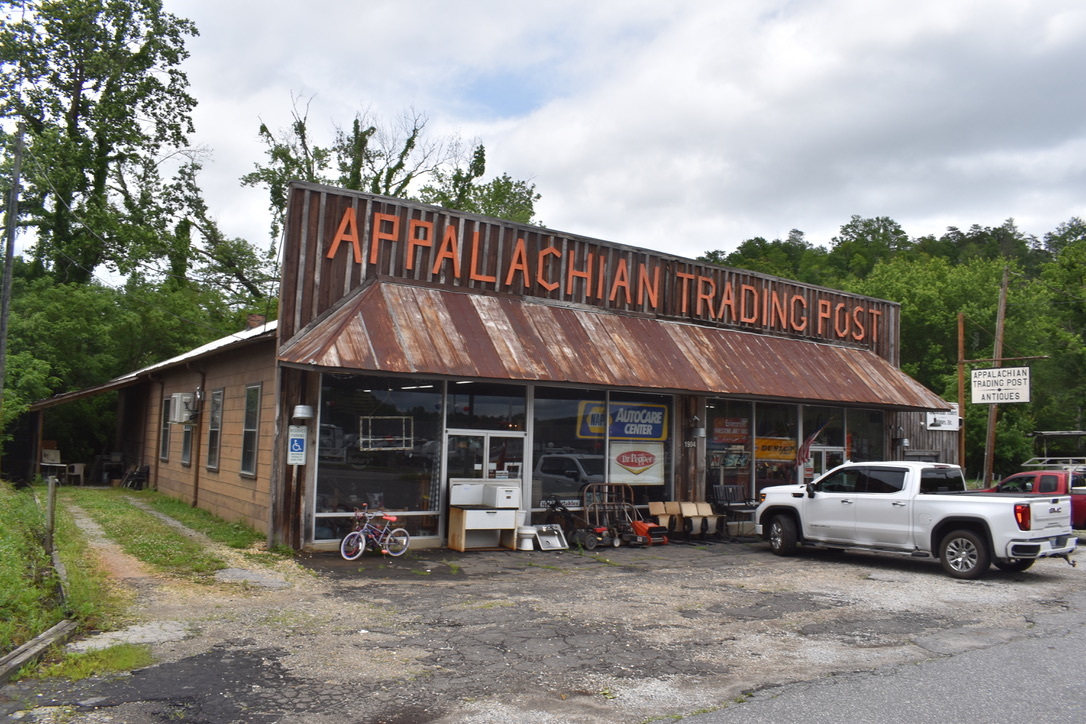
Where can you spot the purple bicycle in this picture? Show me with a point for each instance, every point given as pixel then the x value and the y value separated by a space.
pixel 389 541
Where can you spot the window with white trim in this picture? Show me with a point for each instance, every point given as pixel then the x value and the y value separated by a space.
pixel 214 430
pixel 249 433
pixel 186 444
pixel 164 434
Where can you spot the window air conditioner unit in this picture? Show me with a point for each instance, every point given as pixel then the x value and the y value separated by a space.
pixel 182 409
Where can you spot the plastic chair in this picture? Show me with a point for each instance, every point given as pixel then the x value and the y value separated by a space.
pixel 75 470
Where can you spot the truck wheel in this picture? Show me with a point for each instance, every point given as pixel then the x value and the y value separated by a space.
pixel 1013 565
pixel 964 555
pixel 782 535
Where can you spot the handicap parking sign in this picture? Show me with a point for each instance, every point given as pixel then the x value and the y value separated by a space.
pixel 296 444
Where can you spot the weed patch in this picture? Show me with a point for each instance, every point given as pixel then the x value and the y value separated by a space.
pixel 111 660
pixel 29 594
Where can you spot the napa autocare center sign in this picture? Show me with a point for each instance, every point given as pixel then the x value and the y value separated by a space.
pixel 998 385
pixel 635 434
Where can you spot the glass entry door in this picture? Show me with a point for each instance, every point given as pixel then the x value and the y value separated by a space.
pixel 822 460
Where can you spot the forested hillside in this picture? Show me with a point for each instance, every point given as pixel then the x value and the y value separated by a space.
pixel 935 278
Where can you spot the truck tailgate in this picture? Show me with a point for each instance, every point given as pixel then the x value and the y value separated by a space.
pixel 1050 512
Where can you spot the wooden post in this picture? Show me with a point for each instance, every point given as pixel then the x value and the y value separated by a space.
pixel 997 361
pixel 961 390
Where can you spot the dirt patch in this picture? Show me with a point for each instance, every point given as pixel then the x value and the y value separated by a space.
pixel 111 558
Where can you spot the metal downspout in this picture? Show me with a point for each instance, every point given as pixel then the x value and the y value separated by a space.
pixel 197 434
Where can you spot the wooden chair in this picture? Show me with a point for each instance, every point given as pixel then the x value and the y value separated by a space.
pixel 674 516
pixel 712 522
pixel 691 521
pixel 660 512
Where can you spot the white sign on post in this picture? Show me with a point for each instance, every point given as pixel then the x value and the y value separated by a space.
pixel 947 421
pixel 296 437
pixel 998 385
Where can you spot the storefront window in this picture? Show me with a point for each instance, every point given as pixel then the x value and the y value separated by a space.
pixel 866 436
pixel 639 444
pixel 822 447
pixel 486 406
pixel 379 444
pixel 569 447
pixel 824 426
pixel 583 439
pixel 775 445
pixel 729 443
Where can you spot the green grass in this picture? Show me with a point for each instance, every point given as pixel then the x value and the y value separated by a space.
pixel 121 657
pixel 234 535
pixel 145 536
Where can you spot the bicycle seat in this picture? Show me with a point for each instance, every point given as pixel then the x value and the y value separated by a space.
pixel 391 518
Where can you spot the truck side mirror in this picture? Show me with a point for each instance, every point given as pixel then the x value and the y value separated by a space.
pixel 810 490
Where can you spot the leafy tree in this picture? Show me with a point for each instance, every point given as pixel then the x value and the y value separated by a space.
pixel 793 258
pixel 26 379
pixel 387 159
pixel 1000 242
pixel 66 337
pixel 1071 231
pixel 109 178
pixel 936 247
pixel 380 159
pixel 862 243
pixel 1063 379
pixel 502 197
pixel 98 86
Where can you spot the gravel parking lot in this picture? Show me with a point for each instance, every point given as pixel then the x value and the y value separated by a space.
pixel 615 635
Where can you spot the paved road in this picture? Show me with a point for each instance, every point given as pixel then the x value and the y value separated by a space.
pixel 1037 680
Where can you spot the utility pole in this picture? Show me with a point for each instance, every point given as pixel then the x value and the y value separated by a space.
pixel 997 357
pixel 961 390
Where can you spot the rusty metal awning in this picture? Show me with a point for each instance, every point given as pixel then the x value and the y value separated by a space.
pixel 399 328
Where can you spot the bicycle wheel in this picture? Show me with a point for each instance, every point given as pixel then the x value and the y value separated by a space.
pixel 352 545
pixel 396 542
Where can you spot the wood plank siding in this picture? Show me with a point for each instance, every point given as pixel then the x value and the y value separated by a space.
pixel 224 491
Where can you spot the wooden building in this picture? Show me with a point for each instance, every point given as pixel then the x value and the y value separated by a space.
pixel 434 346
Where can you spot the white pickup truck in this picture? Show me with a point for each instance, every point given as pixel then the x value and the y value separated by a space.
pixel 919 509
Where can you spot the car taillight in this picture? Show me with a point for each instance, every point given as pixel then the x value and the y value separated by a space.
pixel 1023 515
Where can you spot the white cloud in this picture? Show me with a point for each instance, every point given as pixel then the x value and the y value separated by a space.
pixel 684 126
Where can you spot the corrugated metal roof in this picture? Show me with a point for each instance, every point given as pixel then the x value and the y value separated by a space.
pixel 413 329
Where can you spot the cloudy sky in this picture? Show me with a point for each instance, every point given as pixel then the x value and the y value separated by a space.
pixel 682 126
